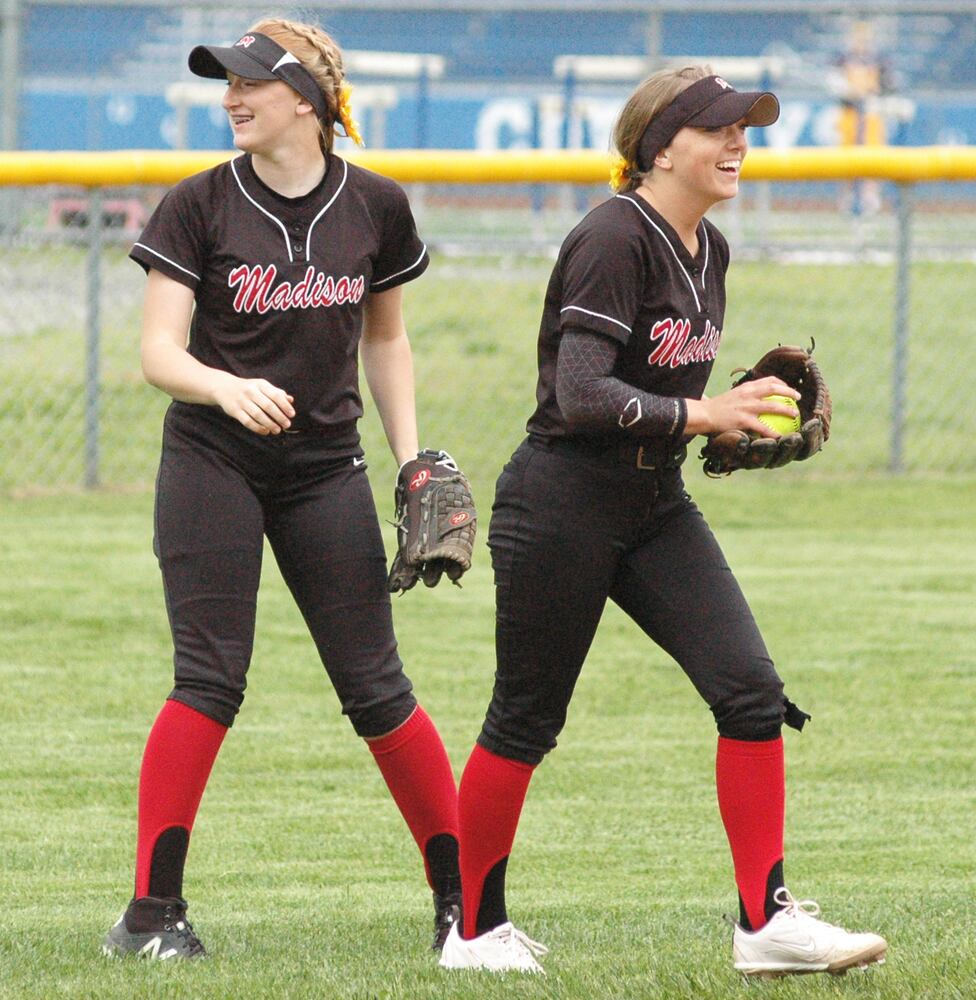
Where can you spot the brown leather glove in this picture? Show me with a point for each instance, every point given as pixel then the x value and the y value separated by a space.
pixel 731 450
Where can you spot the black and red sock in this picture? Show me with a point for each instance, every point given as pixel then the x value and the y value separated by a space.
pixel 490 803
pixel 416 769
pixel 179 756
pixel 751 782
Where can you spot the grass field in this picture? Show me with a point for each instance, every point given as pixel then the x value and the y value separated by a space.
pixel 302 878
pixel 473 326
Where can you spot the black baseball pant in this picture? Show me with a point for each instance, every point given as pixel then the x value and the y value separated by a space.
pixel 572 526
pixel 221 489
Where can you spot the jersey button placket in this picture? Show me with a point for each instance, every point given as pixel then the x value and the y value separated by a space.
pixel 297 246
pixel 695 272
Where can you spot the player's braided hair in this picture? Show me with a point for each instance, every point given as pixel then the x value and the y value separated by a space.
pixel 322 57
pixel 650 98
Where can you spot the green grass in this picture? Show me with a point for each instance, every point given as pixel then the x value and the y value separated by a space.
pixel 302 878
pixel 473 326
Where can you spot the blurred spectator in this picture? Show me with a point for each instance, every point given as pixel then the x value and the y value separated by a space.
pixel 863 78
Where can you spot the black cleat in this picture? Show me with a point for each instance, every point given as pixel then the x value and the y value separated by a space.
pixel 447 912
pixel 154 928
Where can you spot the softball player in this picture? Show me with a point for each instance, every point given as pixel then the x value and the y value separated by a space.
pixel 281 263
pixel 594 499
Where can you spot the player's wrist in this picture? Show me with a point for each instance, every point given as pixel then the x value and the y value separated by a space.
pixel 405 455
pixel 219 384
pixel 698 417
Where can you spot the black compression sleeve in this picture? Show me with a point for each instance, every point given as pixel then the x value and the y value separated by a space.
pixel 592 398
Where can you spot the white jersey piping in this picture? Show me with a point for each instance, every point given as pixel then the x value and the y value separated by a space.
pixel 390 277
pixel 705 265
pixel 588 312
pixel 156 253
pixel 674 252
pixel 278 222
pixel 327 206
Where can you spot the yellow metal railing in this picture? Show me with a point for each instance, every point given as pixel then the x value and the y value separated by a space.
pixel 131 167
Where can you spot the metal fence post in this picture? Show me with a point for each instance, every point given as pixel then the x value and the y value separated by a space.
pixel 899 372
pixel 93 338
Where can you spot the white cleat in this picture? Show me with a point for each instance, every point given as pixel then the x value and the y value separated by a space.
pixel 794 942
pixel 503 949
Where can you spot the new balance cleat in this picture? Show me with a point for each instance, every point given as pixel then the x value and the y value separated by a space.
pixel 794 942
pixel 447 912
pixel 503 949
pixel 154 928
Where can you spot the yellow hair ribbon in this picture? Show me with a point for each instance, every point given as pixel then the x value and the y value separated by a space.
pixel 349 124
pixel 619 173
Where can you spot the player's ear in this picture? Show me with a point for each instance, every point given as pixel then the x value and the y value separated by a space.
pixel 663 160
pixel 303 107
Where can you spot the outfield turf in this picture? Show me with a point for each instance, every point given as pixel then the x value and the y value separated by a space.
pixel 473 327
pixel 302 878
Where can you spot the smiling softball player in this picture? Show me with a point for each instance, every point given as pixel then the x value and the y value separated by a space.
pixel 593 506
pixel 284 265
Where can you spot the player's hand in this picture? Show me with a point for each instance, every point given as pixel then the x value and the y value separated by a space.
pixel 256 403
pixel 739 408
pixel 730 420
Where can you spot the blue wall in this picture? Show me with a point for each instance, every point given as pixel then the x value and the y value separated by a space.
pixel 84 89
pixel 124 120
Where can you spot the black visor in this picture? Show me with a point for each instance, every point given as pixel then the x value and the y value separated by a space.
pixel 257 57
pixel 707 103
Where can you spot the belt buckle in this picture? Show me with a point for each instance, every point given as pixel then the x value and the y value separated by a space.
pixel 640 460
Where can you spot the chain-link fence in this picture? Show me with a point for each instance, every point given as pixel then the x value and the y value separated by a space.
pixel 886 296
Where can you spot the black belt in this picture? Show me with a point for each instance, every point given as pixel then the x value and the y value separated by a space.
pixel 651 456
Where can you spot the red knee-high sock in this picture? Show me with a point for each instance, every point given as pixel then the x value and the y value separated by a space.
pixel 751 782
pixel 416 769
pixel 180 752
pixel 490 802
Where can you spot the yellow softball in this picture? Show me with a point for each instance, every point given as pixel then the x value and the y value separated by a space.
pixel 777 422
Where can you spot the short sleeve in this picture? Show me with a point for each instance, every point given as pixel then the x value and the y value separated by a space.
pixel 174 240
pixel 402 255
pixel 603 278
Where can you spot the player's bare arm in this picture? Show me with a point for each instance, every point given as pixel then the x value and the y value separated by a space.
pixel 388 366
pixel 261 272
pixel 256 403
pixel 739 408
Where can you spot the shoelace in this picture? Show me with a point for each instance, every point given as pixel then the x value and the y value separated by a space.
pixel 799 907
pixel 795 907
pixel 512 935
pixel 807 909
pixel 174 920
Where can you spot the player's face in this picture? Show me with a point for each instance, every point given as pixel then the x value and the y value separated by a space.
pixel 261 112
pixel 708 161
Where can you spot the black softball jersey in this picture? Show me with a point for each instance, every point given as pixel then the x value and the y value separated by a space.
pixel 624 273
pixel 280 283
